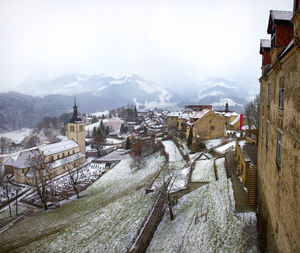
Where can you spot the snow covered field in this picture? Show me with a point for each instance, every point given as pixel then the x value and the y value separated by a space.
pixel 225 148
pixel 176 169
pixel 204 171
pixel 172 150
pixel 112 123
pixel 17 135
pixel 104 220
pixel 213 143
pixel 113 141
pixel 207 222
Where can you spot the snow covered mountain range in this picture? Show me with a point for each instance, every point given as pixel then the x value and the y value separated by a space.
pixel 219 91
pixel 102 92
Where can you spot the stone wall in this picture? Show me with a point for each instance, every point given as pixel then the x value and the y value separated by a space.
pixel 278 184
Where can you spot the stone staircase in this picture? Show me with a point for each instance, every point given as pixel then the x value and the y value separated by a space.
pixel 251 186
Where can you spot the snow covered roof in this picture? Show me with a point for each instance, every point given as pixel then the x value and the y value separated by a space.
pixel 199 114
pixel 237 118
pixel 25 157
pixel 229 114
pixel 265 43
pixel 185 116
pixel 58 147
pixel 281 15
pixel 174 114
pixel 66 160
pixel 9 162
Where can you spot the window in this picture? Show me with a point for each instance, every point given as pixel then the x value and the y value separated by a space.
pixel 281 93
pixel 72 129
pixel 279 149
pixel 81 128
pixel 269 94
pixel 262 127
pixel 267 134
pixel 212 128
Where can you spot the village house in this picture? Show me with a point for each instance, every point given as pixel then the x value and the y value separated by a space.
pixel 278 167
pixel 172 119
pixel 178 119
pixel 56 158
pixel 205 124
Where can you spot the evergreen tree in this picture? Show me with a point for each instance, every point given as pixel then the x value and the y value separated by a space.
pixel 122 129
pixel 190 138
pixel 125 129
pixel 135 112
pixel 94 132
pixel 127 143
pixel 107 131
pixel 102 128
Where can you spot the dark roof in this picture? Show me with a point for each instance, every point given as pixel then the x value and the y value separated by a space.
pixel 75 118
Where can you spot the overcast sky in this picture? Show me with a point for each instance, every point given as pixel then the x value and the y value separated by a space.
pixel 162 41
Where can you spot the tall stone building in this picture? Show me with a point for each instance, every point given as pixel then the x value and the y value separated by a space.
pixel 76 130
pixel 278 172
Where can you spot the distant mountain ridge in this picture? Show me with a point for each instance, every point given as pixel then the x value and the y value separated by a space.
pixel 218 92
pixel 102 92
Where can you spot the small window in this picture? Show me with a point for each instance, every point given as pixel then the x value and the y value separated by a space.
pixel 212 128
pixel 269 94
pixel 281 93
pixel 52 158
pixel 267 134
pixel 72 129
pixel 279 149
pixel 210 121
pixel 81 128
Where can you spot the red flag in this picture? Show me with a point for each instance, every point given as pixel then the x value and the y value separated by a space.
pixel 241 121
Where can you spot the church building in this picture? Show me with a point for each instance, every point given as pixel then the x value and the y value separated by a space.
pixel 56 158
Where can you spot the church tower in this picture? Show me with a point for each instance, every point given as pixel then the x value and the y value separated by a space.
pixel 76 129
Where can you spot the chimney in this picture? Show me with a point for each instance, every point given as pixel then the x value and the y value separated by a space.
pixel 226 107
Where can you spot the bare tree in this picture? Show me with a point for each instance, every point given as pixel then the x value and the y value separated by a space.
pixel 41 173
pixel 4 145
pixel 74 177
pixel 17 192
pixel 136 154
pixel 7 194
pixel 252 113
pixel 168 179
pixel 181 244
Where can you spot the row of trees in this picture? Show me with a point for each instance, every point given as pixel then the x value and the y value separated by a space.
pixel 42 175
pixel 99 135
pixel 129 113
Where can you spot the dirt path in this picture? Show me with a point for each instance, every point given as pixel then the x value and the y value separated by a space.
pixel 240 194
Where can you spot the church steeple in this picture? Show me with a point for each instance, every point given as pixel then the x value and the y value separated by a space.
pixel 75 117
